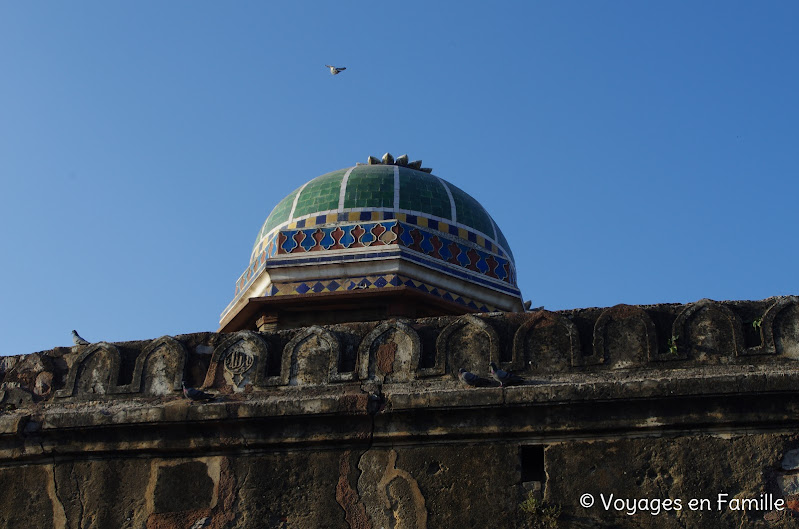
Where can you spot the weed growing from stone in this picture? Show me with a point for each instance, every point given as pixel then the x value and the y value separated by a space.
pixel 543 515
pixel 672 343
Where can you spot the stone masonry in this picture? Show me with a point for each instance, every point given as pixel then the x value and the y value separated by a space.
pixel 366 425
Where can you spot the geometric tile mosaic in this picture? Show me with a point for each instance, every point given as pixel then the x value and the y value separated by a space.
pixel 421 221
pixel 371 282
pixel 431 242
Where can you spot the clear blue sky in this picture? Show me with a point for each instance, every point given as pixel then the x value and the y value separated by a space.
pixel 631 152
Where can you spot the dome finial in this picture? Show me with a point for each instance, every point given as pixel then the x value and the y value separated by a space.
pixel 401 161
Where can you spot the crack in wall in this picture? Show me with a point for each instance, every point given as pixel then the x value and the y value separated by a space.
pixel 59 515
pixel 349 498
pixel 79 495
pixel 375 502
pixel 239 515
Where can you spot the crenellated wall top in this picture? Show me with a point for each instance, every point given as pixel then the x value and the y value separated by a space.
pixel 541 347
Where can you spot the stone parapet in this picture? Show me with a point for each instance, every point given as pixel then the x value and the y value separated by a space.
pixel 368 425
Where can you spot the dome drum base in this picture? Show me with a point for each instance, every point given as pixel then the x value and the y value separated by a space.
pixel 292 289
pixel 359 272
pixel 269 314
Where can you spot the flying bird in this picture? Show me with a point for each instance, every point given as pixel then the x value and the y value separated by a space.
pixel 503 377
pixel 77 340
pixel 334 70
pixel 470 379
pixel 196 394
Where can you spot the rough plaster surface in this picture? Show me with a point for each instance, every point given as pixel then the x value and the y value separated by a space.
pixel 365 425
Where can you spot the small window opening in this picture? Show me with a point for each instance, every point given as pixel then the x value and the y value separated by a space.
pixel 532 457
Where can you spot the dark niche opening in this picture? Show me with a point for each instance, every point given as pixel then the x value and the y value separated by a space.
pixel 532 459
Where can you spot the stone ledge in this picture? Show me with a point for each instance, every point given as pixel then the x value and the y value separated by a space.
pixel 349 399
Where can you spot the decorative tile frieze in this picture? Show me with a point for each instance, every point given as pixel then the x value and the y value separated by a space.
pixel 436 244
pixel 342 284
pixel 356 216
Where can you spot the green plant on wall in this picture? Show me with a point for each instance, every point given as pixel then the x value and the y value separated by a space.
pixel 672 343
pixel 757 323
pixel 541 515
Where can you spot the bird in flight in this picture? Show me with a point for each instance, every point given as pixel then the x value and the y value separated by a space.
pixel 334 70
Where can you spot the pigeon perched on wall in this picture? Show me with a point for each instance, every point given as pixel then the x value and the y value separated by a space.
pixel 528 304
pixel 503 377
pixel 334 70
pixel 77 340
pixel 470 379
pixel 374 403
pixel 196 394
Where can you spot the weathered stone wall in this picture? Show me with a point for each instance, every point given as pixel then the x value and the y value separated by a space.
pixel 365 425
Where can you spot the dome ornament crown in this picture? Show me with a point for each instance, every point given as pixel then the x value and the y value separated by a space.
pixel 401 161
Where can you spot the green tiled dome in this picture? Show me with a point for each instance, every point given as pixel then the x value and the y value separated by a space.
pixel 384 191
